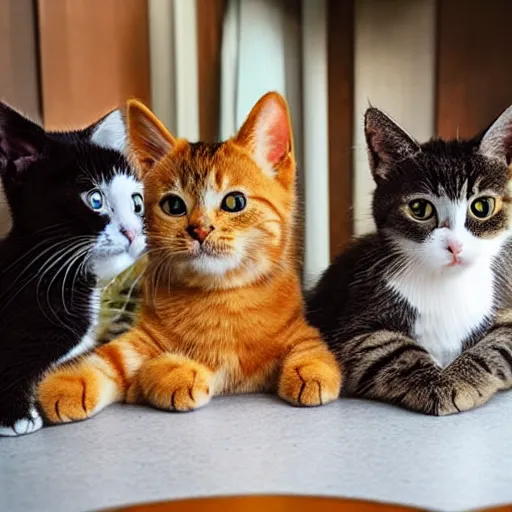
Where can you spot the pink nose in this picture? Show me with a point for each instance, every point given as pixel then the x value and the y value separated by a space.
pixel 199 233
pixel 129 233
pixel 454 247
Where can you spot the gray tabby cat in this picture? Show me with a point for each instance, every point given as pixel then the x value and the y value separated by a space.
pixel 416 311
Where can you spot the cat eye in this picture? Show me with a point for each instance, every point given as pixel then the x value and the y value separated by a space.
pixel 173 205
pixel 234 202
pixel 95 200
pixel 138 204
pixel 421 209
pixel 483 207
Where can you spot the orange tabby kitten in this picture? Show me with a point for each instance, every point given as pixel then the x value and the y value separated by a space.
pixel 222 310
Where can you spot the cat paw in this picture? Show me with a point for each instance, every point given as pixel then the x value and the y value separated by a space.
pixel 174 383
pixel 68 395
pixel 32 423
pixel 460 397
pixel 311 384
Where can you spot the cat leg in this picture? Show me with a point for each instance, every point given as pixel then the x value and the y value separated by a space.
pixel 481 371
pixel 21 367
pixel 310 374
pixel 172 382
pixel 391 367
pixel 18 416
pixel 79 390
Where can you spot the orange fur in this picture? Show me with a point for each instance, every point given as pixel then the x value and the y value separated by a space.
pixel 224 317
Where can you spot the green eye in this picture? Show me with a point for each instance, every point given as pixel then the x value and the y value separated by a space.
pixel 95 200
pixel 234 202
pixel 483 207
pixel 421 209
pixel 173 205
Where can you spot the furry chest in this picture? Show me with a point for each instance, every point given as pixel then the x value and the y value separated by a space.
pixel 448 309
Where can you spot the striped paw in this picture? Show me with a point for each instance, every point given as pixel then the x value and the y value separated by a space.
pixel 174 383
pixel 70 394
pixel 461 396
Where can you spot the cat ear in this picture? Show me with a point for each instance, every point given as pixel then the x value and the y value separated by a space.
pixel 267 133
pixel 387 142
pixel 109 132
pixel 22 141
pixel 149 139
pixel 497 140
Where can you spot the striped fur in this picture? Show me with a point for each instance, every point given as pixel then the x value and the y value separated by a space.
pixel 120 303
pixel 223 317
pixel 411 321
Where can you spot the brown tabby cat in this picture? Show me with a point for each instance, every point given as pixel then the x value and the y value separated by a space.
pixel 417 311
pixel 222 310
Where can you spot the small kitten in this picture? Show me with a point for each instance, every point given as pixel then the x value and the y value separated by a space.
pixel 415 312
pixel 74 213
pixel 222 309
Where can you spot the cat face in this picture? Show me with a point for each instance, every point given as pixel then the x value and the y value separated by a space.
pixel 76 188
pixel 220 213
pixel 444 203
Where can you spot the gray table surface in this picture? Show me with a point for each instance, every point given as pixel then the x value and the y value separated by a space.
pixel 257 444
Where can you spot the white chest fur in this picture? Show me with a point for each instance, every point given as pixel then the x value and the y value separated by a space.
pixel 450 306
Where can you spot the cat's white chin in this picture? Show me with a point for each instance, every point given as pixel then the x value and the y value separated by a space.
pixel 214 265
pixel 107 267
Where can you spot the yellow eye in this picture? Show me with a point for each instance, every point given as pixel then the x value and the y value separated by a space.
pixel 483 207
pixel 421 209
pixel 234 202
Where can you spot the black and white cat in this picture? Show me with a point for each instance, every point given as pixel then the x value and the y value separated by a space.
pixel 416 312
pixel 71 218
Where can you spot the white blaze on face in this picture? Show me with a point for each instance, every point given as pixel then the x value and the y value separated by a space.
pixel 113 251
pixel 210 202
pixel 451 301
pixel 5 214
pixel 433 253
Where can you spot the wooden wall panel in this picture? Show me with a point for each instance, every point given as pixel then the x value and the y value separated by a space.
pixel 18 57
pixel 341 98
pixel 94 55
pixel 210 16
pixel 474 80
pixel 394 69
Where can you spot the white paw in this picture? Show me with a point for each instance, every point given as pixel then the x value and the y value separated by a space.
pixel 23 426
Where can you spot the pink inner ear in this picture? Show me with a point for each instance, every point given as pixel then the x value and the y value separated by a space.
pixel 278 138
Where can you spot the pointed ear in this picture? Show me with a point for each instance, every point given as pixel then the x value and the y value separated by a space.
pixel 109 132
pixel 497 140
pixel 267 133
pixel 22 142
pixel 149 139
pixel 387 142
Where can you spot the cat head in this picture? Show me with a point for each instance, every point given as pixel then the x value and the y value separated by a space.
pixel 75 186
pixel 221 213
pixel 444 203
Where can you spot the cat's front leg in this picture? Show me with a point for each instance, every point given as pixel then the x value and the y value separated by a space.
pixel 18 376
pixel 172 382
pixel 481 371
pixel 391 367
pixel 309 375
pixel 77 391
pixel 18 415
